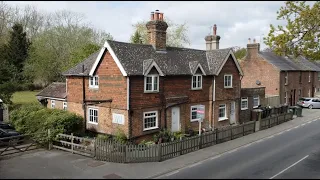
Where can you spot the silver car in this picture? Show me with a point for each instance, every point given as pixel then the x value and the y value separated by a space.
pixel 309 102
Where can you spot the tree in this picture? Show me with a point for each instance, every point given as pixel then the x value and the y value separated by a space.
pixel 301 35
pixel 239 52
pixel 176 33
pixel 136 38
pixel 15 52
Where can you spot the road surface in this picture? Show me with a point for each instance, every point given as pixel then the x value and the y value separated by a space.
pixel 294 153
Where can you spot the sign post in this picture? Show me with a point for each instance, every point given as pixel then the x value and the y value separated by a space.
pixel 200 116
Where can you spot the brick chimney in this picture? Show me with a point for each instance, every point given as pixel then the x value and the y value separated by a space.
pixel 252 49
pixel 157 31
pixel 212 41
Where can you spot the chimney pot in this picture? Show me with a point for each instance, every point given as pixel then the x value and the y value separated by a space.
pixel 249 41
pixel 254 40
pixel 214 29
pixel 152 16
pixel 156 15
pixel 161 16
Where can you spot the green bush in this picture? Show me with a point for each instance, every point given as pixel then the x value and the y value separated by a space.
pixel 35 120
pixel 120 136
pixel 165 135
pixel 103 137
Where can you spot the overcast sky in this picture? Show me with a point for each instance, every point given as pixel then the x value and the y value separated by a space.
pixel 236 20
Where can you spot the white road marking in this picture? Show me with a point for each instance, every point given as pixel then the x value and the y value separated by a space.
pixel 289 167
pixel 270 137
pixel 247 145
pixel 232 150
pixel 309 122
pixel 288 130
pixel 280 133
pixel 260 140
pixel 172 173
pixel 195 164
pixel 303 124
pixel 215 157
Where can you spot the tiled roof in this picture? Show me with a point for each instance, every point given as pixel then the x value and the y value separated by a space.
pixel 289 63
pixel 54 90
pixel 136 58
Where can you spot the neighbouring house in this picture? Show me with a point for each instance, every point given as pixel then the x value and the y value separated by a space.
pixel 251 98
pixel 141 89
pixel 287 77
pixel 54 96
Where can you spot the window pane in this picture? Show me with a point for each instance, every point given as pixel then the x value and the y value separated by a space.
pixel 199 81
pixel 91 81
pixel 96 81
pixel 149 80
pixel 155 85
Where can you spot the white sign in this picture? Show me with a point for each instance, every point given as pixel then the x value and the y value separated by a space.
pixel 118 118
pixel 200 112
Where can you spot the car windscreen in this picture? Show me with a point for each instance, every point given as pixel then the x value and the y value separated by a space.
pixel 304 99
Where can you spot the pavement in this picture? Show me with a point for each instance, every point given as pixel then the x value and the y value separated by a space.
pixel 59 164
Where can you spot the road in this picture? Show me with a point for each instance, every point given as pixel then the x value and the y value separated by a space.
pixel 294 153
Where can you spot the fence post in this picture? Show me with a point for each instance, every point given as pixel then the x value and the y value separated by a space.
pixel 200 141
pixel 180 147
pixel 254 126
pixel 217 136
pixel 94 147
pixel 269 122
pixel 50 142
pixel 231 133
pixel 243 130
pixel 72 143
pixel 159 152
pixel 125 153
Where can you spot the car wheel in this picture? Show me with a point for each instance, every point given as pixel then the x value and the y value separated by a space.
pixel 310 107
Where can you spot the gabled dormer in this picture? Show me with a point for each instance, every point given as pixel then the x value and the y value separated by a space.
pixel 151 72
pixel 197 73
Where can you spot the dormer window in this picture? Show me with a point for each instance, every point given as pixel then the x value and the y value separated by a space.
pixel 93 82
pixel 197 82
pixel 151 83
pixel 228 81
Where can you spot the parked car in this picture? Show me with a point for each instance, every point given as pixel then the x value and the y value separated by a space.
pixel 8 133
pixel 309 102
pixel 4 125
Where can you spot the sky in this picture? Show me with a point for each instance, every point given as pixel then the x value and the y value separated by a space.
pixel 236 20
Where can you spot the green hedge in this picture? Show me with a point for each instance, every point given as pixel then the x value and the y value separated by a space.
pixel 35 120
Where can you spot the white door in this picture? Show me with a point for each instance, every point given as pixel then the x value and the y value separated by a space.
pixel 175 119
pixel 232 112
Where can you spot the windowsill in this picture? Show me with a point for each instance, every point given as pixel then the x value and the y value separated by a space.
pixel 94 88
pixel 194 120
pixel 151 91
pixel 254 106
pixel 196 89
pixel 150 128
pixel 222 119
pixel 244 108
pixel 286 84
pixel 228 87
pixel 89 122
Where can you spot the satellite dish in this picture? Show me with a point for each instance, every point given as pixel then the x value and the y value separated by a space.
pixel 258 82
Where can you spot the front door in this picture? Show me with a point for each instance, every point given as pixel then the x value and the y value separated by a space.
pixel 232 112
pixel 175 119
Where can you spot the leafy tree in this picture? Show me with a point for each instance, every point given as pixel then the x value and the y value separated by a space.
pixel 15 52
pixel 136 38
pixel 301 35
pixel 176 33
pixel 239 52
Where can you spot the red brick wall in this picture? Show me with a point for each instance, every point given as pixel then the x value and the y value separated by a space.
pixel 227 95
pixel 112 85
pixel 256 68
pixel 170 86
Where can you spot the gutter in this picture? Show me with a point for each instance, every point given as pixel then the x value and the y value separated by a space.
pixel 84 107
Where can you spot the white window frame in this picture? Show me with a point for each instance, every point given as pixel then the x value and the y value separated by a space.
pixel 244 99
pixel 194 106
pixel 95 82
pixel 224 81
pixel 286 97
pixel 53 104
pixel 253 98
pixel 152 83
pixel 309 76
pixel 286 78
pixel 144 117
pixel 65 105
pixel 197 76
pixel 225 112
pixel 93 117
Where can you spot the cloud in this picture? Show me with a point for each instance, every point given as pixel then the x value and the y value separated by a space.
pixel 236 20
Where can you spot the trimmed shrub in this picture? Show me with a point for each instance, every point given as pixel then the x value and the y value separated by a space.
pixel 35 120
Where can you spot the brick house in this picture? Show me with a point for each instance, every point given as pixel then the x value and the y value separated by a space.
pixel 250 99
pixel 289 78
pixel 53 96
pixel 141 89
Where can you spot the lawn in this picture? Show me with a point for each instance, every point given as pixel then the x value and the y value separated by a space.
pixel 24 97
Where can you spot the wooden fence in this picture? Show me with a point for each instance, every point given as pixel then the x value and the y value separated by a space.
pixel 275 120
pixel 272 100
pixel 110 151
pixel 74 144
pixel 17 144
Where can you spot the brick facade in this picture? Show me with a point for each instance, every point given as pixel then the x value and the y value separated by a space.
pixel 112 85
pixel 58 103
pixel 245 114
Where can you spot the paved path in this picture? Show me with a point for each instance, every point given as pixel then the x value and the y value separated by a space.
pixel 290 154
pixel 60 164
